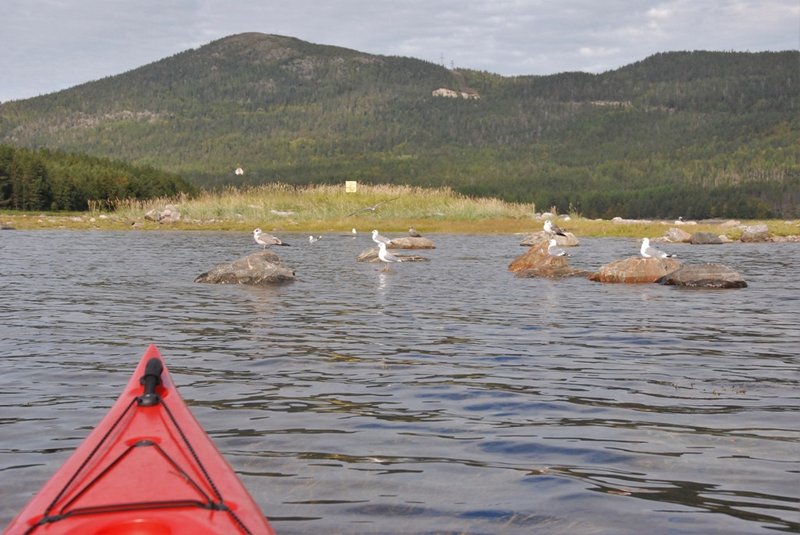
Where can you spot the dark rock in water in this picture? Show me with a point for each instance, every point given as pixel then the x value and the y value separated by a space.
pixel 705 238
pixel 261 268
pixel 371 255
pixel 411 243
pixel 755 233
pixel 635 269
pixel 537 262
pixel 704 276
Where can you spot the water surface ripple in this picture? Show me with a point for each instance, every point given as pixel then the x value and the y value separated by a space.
pixel 441 397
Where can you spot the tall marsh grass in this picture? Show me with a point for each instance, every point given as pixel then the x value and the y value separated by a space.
pixel 329 207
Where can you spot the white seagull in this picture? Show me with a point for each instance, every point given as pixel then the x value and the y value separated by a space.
pixel 554 250
pixel 652 252
pixel 385 256
pixel 550 228
pixel 377 238
pixel 265 239
pixel 413 233
pixel 312 239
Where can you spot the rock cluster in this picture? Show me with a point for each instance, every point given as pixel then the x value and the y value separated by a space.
pixel 169 214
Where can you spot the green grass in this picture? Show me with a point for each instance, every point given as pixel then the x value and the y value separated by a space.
pixel 327 208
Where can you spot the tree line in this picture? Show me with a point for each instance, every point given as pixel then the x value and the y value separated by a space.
pixel 55 180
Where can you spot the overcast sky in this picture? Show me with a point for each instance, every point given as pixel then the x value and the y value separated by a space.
pixel 48 45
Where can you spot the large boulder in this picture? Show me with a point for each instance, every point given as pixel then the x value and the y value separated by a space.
pixel 635 269
pixel 411 243
pixel 538 237
pixel 536 262
pixel 371 255
pixel 705 238
pixel 261 268
pixel 704 276
pixel 755 233
pixel 677 235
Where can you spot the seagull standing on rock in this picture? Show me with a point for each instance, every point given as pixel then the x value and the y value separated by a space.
pixel 554 250
pixel 265 239
pixel 550 228
pixel 652 252
pixel 377 238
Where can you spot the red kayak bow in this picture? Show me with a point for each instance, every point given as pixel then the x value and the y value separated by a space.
pixel 147 468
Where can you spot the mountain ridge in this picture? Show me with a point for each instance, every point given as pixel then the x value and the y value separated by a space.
pixel 675 123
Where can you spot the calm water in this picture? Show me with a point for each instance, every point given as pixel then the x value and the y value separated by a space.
pixel 441 397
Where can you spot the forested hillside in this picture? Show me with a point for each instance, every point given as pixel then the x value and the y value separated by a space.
pixel 54 180
pixel 697 134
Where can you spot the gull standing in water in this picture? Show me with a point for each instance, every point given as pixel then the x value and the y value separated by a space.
pixel 265 239
pixel 652 252
pixel 377 238
pixel 385 256
pixel 312 239
pixel 550 228
pixel 554 250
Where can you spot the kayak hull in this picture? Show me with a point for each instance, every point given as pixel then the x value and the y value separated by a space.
pixel 147 468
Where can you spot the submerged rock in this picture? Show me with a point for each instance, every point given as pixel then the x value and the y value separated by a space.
pixel 537 262
pixel 635 270
pixel 371 255
pixel 704 276
pixel 261 268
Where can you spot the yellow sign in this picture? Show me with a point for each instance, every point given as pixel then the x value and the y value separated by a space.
pixel 350 186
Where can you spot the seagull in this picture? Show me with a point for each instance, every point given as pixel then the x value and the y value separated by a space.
pixel 373 207
pixel 550 228
pixel 377 238
pixel 652 252
pixel 554 250
pixel 413 233
pixel 265 239
pixel 312 239
pixel 386 256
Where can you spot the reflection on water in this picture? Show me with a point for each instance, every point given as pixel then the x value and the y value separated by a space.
pixel 438 397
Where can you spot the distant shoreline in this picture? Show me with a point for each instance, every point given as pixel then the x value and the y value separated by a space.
pixel 779 230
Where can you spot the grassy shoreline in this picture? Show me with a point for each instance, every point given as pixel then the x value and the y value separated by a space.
pixel 321 209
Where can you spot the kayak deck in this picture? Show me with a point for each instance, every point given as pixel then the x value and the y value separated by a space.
pixel 147 468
